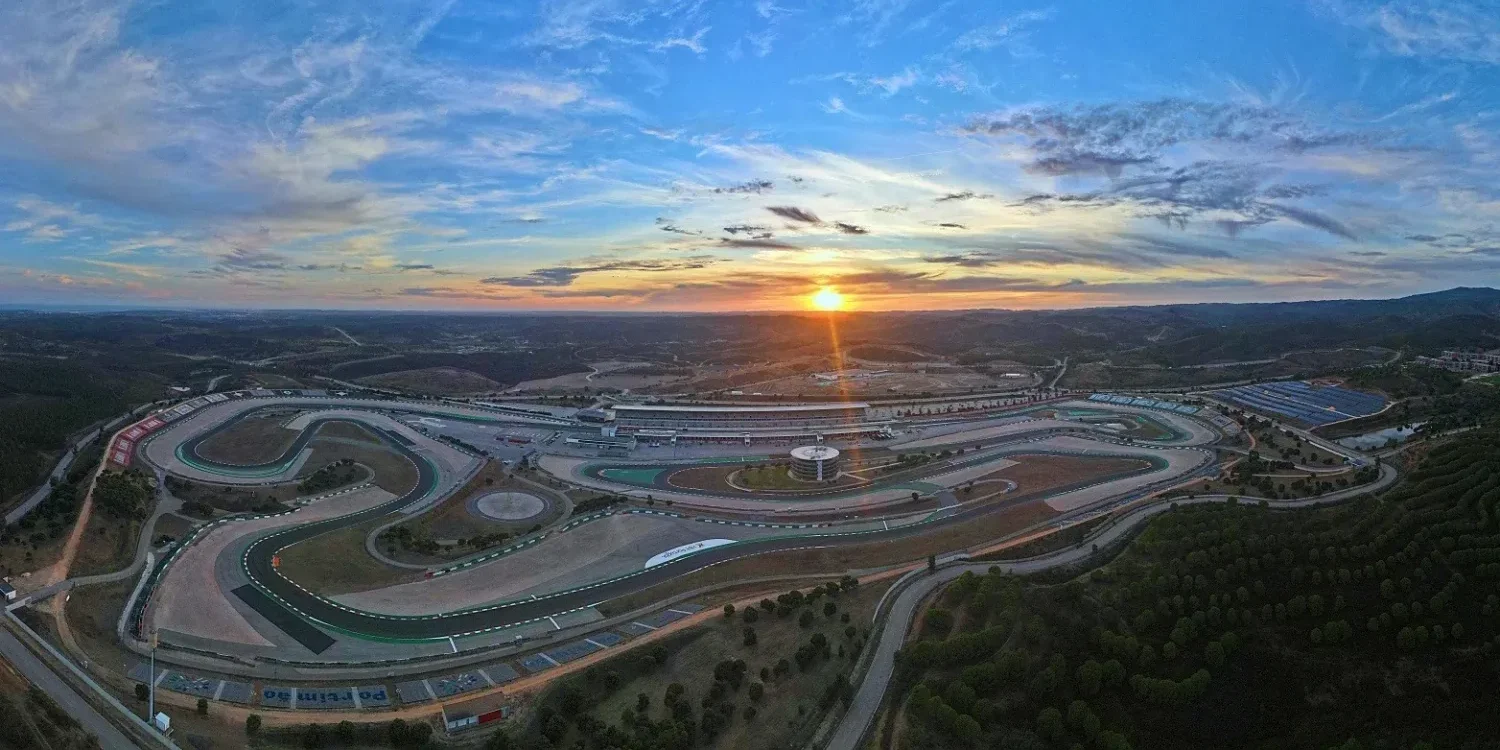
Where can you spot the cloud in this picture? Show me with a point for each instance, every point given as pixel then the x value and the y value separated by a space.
pixel 762 43
pixel 1009 33
pixel 693 43
pixel 1108 138
pixel 566 275
pixel 835 105
pixel 414 267
pixel 759 241
pixel 795 214
pixel 850 228
pixel 1314 219
pixel 753 186
pixel 1464 30
pixel 247 259
pixel 961 196
pixel 894 83
pixel 746 229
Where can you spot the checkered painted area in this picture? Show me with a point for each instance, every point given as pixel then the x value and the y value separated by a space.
pixel 236 692
pixel 574 650
pixel 501 673
pixel 452 685
pixel 412 692
pixel 536 663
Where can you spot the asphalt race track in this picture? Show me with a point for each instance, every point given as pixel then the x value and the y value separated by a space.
pixel 259 556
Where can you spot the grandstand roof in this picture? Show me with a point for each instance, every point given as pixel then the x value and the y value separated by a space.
pixel 756 409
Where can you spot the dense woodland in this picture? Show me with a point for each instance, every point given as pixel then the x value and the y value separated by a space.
pixel 43 401
pixel 1369 625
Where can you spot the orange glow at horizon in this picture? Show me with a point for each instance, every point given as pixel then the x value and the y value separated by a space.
pixel 827 298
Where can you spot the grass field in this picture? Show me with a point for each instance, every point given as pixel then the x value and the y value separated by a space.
pixel 337 563
pixel 393 472
pixel 257 438
pixel 770 477
pixel 452 520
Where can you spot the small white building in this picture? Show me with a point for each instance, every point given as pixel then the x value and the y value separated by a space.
pixel 8 591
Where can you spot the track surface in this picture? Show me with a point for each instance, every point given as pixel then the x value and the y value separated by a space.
pixel 259 557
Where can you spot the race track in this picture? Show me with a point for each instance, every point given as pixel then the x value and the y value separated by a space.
pixel 284 601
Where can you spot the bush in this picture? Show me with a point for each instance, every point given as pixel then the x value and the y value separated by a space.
pixel 729 610
pixel 202 706
pixel 252 725
pixel 312 736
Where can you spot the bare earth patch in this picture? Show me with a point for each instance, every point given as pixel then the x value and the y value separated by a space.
pixel 441 381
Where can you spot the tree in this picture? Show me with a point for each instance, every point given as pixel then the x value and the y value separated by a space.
pixel 750 615
pixel 1090 677
pixel 344 732
pixel 756 691
pixel 1049 724
pixel 142 692
pixel 830 609
pixel 750 637
pixel 806 619
pixel 202 706
pixel 252 725
pixel 729 610
pixel 1213 654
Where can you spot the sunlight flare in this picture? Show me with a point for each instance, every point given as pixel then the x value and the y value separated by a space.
pixel 827 298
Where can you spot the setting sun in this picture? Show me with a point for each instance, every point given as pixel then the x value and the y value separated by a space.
pixel 827 298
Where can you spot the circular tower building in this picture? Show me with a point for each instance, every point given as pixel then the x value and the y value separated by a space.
pixel 815 463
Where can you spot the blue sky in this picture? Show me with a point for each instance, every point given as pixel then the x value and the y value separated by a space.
pixel 683 155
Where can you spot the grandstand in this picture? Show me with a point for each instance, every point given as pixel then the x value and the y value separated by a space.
pixel 1311 404
pixel 1148 403
pixel 635 416
pixel 789 422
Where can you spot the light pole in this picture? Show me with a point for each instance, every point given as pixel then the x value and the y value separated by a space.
pixel 151 700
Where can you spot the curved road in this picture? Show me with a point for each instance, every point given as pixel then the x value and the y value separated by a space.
pixel 856 723
pixel 259 560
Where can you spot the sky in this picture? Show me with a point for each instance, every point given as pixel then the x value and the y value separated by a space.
pixel 642 155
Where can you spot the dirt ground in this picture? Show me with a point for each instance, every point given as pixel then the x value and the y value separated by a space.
pixel 612 375
pixel 1038 473
pixel 172 525
pixel 108 544
pixel 21 557
pixel 255 439
pixel 93 612
pixel 439 381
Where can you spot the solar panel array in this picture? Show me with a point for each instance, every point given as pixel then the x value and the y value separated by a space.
pixel 1304 402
